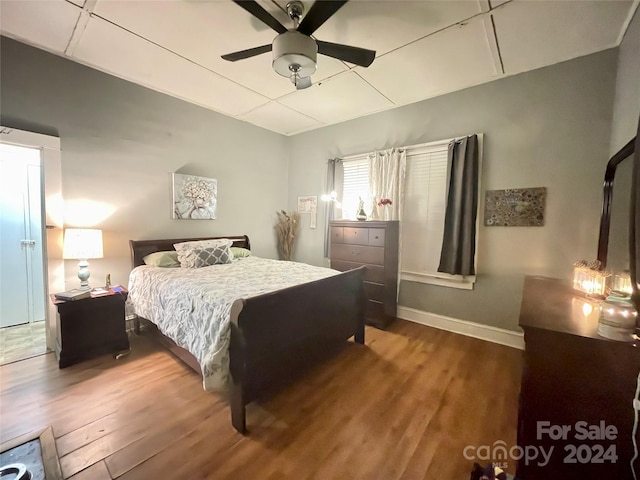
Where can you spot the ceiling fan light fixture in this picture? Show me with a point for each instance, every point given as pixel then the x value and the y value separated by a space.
pixel 294 49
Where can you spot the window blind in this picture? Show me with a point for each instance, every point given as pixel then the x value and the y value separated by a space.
pixel 424 209
pixel 355 186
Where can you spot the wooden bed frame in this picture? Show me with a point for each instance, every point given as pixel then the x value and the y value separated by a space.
pixel 275 335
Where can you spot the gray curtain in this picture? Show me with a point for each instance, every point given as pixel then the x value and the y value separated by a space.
pixel 459 242
pixel 334 184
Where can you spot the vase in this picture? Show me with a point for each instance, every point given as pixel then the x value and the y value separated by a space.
pixel 361 215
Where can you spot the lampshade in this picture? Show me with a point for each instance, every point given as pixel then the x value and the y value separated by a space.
pixel 82 243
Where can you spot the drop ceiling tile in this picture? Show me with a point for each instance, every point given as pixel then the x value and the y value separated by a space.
pixel 386 25
pixel 339 98
pixel 534 34
pixel 449 60
pixel 44 23
pixel 203 31
pixel 117 51
pixel 277 117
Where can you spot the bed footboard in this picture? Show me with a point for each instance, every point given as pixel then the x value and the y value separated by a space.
pixel 277 335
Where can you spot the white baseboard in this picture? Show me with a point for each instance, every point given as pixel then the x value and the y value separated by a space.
pixel 463 327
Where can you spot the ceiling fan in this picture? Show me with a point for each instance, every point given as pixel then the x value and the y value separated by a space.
pixel 295 50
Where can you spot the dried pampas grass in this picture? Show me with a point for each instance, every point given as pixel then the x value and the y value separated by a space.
pixel 287 231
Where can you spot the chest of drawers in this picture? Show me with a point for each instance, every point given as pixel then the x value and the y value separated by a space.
pixel 375 245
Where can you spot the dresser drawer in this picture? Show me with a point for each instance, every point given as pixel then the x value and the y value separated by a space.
pixel 357 253
pixel 374 291
pixel 376 237
pixel 356 235
pixel 374 311
pixel 337 234
pixel 373 273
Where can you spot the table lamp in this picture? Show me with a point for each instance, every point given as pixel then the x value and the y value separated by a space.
pixel 82 244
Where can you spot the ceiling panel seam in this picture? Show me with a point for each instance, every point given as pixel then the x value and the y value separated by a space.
pixel 497 44
pixel 179 55
pixel 372 86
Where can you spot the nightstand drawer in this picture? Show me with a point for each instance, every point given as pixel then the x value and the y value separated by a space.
pixel 356 235
pixel 373 273
pixel 374 291
pixel 357 253
pixel 376 237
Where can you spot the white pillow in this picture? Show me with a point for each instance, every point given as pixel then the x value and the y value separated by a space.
pixel 185 250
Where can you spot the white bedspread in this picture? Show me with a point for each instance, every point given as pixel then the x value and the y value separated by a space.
pixel 192 305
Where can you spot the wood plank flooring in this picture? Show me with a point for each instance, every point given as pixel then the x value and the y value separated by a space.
pixel 402 407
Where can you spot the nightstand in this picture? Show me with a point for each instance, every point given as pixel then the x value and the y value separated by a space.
pixel 90 327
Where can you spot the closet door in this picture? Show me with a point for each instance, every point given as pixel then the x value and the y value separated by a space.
pixel 21 258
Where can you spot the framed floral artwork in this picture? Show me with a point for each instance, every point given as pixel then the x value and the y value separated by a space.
pixel 194 198
pixel 515 207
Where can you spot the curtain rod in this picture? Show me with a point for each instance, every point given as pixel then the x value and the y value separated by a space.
pixel 418 145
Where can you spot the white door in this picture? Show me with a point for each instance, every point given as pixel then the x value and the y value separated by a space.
pixel 22 279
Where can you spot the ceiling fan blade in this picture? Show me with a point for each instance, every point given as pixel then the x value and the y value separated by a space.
pixel 359 56
pixel 242 54
pixel 319 13
pixel 261 14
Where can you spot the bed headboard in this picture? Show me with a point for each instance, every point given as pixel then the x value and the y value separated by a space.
pixel 142 248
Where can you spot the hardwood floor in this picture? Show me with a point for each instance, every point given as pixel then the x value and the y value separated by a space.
pixel 402 407
pixel 22 341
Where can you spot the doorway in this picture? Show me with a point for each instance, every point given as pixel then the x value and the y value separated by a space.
pixel 32 266
pixel 22 272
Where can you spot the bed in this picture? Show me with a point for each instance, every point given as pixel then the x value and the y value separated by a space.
pixel 272 336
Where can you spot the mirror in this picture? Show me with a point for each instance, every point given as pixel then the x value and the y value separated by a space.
pixel 613 244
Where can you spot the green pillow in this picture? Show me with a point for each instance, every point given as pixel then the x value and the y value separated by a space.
pixel 239 252
pixel 162 259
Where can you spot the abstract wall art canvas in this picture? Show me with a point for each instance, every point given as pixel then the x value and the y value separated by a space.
pixel 515 207
pixel 194 198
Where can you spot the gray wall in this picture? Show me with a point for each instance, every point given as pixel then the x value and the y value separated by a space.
pixel 626 110
pixel 550 127
pixel 119 144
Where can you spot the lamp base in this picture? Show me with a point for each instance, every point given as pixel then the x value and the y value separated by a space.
pixel 83 274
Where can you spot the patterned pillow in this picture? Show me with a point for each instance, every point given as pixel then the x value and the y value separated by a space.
pixel 212 256
pixel 185 250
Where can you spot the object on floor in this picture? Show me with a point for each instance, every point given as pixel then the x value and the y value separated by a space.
pixel 490 472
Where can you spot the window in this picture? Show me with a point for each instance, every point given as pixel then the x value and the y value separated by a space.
pixel 355 186
pixel 425 200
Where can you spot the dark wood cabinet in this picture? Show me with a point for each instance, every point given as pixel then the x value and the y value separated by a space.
pixel 90 327
pixel 375 245
pixel 574 380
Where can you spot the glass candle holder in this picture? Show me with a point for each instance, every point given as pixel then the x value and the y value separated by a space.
pixel 621 284
pixel 589 281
